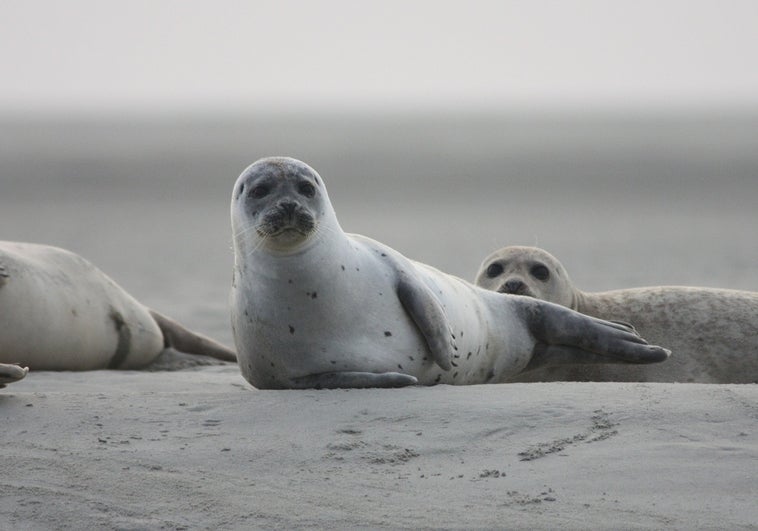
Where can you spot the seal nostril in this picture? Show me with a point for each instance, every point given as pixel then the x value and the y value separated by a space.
pixel 288 207
pixel 513 286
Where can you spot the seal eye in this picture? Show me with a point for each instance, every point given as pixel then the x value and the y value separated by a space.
pixel 306 189
pixel 259 191
pixel 540 272
pixel 494 270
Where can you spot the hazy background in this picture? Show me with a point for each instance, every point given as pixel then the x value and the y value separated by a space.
pixel 621 136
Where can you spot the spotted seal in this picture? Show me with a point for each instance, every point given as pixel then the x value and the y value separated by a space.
pixel 712 332
pixel 60 312
pixel 313 306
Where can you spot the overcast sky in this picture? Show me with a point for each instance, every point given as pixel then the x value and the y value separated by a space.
pixel 169 54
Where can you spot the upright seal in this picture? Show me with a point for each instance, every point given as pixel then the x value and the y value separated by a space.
pixel 312 306
pixel 60 312
pixel 713 332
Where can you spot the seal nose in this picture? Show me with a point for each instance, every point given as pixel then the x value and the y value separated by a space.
pixel 512 285
pixel 288 207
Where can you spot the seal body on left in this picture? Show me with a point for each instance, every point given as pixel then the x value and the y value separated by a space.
pixel 712 332
pixel 312 306
pixel 60 312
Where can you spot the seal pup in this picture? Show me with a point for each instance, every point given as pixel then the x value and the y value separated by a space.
pixel 312 306
pixel 712 332
pixel 59 312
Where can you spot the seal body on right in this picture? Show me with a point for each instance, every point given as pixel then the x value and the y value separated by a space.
pixel 712 332
pixel 313 306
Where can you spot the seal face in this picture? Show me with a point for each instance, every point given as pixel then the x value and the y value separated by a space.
pixel 522 271
pixel 713 332
pixel 282 200
pixel 312 306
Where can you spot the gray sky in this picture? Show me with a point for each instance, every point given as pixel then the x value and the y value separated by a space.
pixel 168 54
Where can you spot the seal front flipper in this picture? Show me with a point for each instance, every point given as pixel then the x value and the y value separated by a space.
pixel 426 311
pixel 555 326
pixel 344 380
pixel 10 373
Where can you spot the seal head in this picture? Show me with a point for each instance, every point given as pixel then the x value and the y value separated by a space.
pixel 527 271
pixel 280 205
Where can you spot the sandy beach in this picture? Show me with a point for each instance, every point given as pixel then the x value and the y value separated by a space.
pixel 201 449
pixel 623 202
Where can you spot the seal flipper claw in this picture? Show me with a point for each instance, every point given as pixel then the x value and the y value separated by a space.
pixel 430 318
pixel 343 380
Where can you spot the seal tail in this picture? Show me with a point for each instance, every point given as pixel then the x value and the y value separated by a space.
pixel 183 340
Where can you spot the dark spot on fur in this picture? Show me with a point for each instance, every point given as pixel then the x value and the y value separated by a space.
pixel 333 362
pixel 124 340
pixel 247 314
pixel 455 375
pixel 490 375
pixel 343 267
pixel 453 364
pixel 357 268
pixel 468 356
pixel 289 281
pixel 384 254
pixel 425 358
pixel 461 334
pixel 292 329
pixel 438 378
pixel 410 358
pixel 387 333
pixel 399 366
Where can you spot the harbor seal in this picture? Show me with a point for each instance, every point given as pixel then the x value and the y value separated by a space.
pixel 60 312
pixel 712 332
pixel 314 307
pixel 10 373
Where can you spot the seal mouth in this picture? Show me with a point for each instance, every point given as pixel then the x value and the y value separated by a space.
pixel 286 222
pixel 522 290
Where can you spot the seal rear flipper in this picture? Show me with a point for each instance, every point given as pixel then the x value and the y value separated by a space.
pixel 426 311
pixel 183 340
pixel 614 342
pixel 343 380
pixel 10 373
